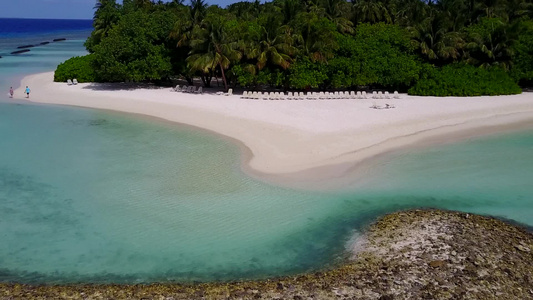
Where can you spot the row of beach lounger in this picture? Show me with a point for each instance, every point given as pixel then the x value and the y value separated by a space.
pixel 188 89
pixel 72 82
pixel 318 95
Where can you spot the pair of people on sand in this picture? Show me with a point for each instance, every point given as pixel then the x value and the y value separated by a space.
pixel 11 92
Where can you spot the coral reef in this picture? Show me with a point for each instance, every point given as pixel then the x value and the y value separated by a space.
pixel 416 254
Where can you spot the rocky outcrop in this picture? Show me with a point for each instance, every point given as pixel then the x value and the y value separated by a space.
pixel 419 254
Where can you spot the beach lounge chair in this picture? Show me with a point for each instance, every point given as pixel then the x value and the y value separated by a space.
pixel 363 94
pixel 69 82
pixel 359 95
pixel 374 106
pixel 289 95
pixel 302 96
pixel 74 81
pixel 184 89
pixel 380 95
pixel 281 96
pixel 374 95
pixel 229 93
pixel 192 89
pixel 176 88
pixel 386 95
pixel 396 95
pixel 199 91
pixel 244 95
pixel 352 95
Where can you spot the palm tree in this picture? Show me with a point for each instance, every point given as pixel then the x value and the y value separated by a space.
pixel 370 11
pixel 143 4
pixel 289 9
pixel 491 43
pixel 190 18
pixel 212 46
pixel 410 12
pixel 273 44
pixel 105 16
pixel 316 36
pixel 246 10
pixel 435 41
pixel 454 12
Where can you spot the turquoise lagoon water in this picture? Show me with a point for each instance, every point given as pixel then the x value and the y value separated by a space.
pixel 92 196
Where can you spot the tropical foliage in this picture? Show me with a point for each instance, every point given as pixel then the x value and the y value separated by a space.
pixel 314 44
pixel 79 68
pixel 465 80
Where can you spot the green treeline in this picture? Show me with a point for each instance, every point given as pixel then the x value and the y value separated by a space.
pixel 447 47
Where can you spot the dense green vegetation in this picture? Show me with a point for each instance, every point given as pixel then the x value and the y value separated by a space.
pixel 424 46
pixel 465 80
pixel 76 67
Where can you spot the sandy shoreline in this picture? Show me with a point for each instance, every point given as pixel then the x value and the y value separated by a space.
pixel 288 138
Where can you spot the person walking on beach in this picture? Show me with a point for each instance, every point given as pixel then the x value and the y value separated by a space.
pixel 27 92
pixel 11 92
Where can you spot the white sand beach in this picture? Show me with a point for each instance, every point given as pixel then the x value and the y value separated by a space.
pixel 295 136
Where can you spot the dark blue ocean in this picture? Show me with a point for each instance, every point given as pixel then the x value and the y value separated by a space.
pixel 20 32
pixel 94 196
pixel 10 28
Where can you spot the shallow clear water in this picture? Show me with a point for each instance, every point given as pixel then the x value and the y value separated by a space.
pixel 90 196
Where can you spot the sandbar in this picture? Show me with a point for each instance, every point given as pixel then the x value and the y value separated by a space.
pixel 288 138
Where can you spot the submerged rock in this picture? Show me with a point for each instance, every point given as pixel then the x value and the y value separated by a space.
pixel 60 39
pixel 25 46
pixel 418 254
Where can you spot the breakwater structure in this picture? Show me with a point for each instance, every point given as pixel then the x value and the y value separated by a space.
pixel 20 51
pixel 25 48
